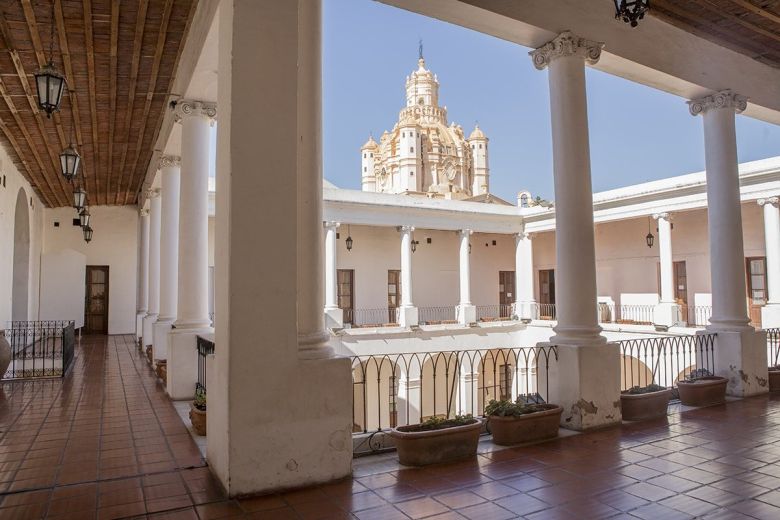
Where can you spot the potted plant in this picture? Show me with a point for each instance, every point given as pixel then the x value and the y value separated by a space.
pixel 774 378
pixel 198 412
pixel 437 440
pixel 644 402
pixel 149 354
pixel 519 421
pixel 162 370
pixel 701 388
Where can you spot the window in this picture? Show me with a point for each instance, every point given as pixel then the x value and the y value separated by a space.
pixel 411 149
pixel 365 169
pixel 364 156
pixel 403 134
pixel 524 200
pixel 505 381
pixel 480 146
pixel 372 155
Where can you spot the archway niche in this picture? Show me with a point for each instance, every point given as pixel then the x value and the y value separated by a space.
pixel 21 264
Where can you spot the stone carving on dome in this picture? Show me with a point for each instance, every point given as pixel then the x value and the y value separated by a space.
pixel 566 44
pixel 722 99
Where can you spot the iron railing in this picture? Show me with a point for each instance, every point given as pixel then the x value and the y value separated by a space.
pixel 381 317
pixel 494 312
pixel 40 348
pixel 664 360
pixel 398 389
pixel 438 314
pixel 773 347
pixel 696 315
pixel 636 314
pixel 205 348
pixel 545 311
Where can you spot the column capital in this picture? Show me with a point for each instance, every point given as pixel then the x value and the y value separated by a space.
pixel 774 201
pixel 523 236
pixel 144 212
pixel 566 44
pixel 193 108
pixel 662 216
pixel 465 232
pixel 153 193
pixel 722 99
pixel 166 161
pixel 405 229
pixel 329 224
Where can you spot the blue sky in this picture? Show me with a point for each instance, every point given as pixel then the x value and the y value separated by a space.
pixel 636 133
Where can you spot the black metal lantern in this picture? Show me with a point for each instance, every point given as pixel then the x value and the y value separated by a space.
pixel 349 243
pixel 414 245
pixel 631 11
pixel 87 234
pixel 79 198
pixel 84 217
pixel 49 82
pixel 649 238
pixel 70 160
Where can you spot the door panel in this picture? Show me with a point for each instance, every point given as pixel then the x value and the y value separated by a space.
pixel 506 292
pixel 393 293
pixel 681 288
pixel 756 281
pixel 346 292
pixel 96 305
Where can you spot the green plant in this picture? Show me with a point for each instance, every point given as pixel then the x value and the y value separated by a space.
pixel 507 408
pixel 697 374
pixel 440 423
pixel 200 399
pixel 636 390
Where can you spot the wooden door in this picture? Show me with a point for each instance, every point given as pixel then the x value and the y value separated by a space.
pixel 506 293
pixel 756 280
pixel 346 293
pixel 96 305
pixel 393 293
pixel 547 294
pixel 681 288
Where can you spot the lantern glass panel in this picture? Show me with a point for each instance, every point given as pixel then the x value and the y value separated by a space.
pixel 84 217
pixel 349 243
pixel 79 198
pixel 50 85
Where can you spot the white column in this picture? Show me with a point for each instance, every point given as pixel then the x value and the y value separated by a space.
pixel 467 313
pixel 741 351
pixel 667 312
pixel 334 317
pixel 169 253
pixel 154 266
pixel 525 303
pixel 313 338
pixel 192 310
pixel 143 270
pixel 407 313
pixel 257 344
pixel 591 366
pixel 770 313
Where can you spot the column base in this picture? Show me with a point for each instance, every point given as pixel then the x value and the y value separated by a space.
pixel 770 316
pixel 160 330
pixel 148 330
pixel 408 316
pixel 307 441
pixel 526 311
pixel 334 318
pixel 139 324
pixel 741 357
pixel 467 314
pixel 183 361
pixel 667 314
pixel 585 381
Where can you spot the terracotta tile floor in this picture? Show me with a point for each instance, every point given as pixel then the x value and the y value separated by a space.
pixel 106 443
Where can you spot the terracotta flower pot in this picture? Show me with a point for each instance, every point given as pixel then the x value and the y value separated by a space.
pixel 516 429
pixel 705 391
pixel 149 354
pixel 422 448
pixel 651 405
pixel 774 380
pixel 162 370
pixel 198 419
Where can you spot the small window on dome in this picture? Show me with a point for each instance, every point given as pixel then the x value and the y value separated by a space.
pixel 365 169
pixel 480 146
pixel 372 155
pixel 420 101
pixel 364 156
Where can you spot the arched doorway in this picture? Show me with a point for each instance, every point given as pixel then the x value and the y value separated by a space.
pixel 21 274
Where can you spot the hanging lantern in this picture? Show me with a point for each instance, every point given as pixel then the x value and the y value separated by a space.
pixel 349 243
pixel 84 217
pixel 414 245
pixel 87 234
pixel 649 238
pixel 49 83
pixel 70 160
pixel 79 198
pixel 631 11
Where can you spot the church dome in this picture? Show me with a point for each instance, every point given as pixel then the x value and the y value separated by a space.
pixel 369 144
pixel 477 133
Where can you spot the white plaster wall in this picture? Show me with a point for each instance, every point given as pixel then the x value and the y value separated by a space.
pixel 63 282
pixel 8 193
pixel 211 241
pixel 114 244
pixel 435 266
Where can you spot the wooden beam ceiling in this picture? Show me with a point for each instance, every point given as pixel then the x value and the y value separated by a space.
pixel 119 57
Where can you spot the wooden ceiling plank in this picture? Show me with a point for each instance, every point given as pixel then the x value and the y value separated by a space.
pixel 67 63
pixel 112 87
pixel 762 12
pixel 90 51
pixel 715 8
pixel 35 38
pixel 161 35
pixel 140 23
pixel 686 18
